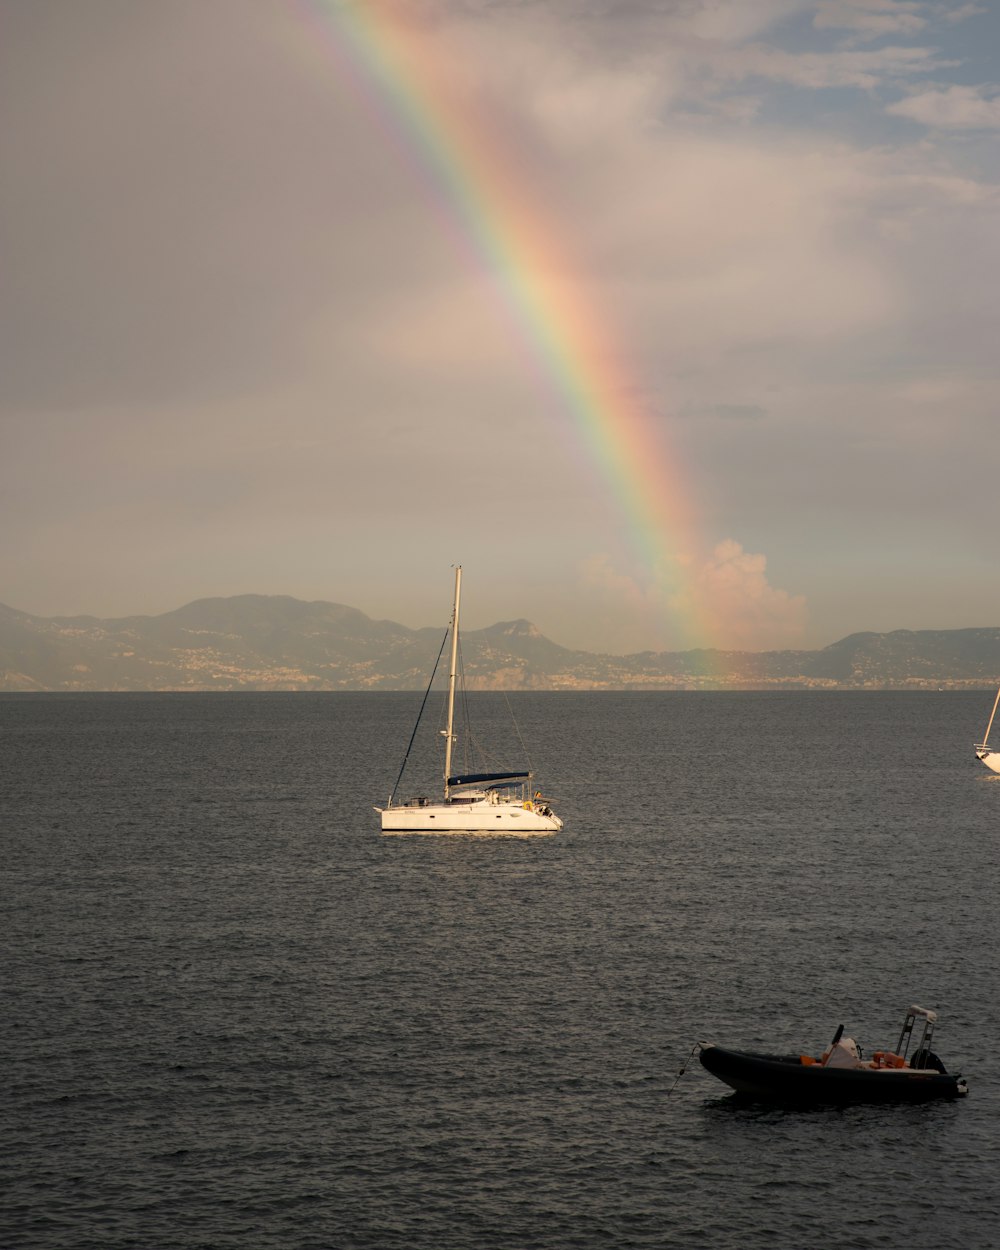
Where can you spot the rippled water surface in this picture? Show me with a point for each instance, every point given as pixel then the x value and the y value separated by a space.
pixel 235 1015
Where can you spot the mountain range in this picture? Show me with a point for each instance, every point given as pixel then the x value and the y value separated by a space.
pixel 275 642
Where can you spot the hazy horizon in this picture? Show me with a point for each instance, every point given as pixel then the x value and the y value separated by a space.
pixel 674 324
pixel 467 626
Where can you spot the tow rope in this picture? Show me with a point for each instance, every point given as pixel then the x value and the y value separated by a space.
pixel 683 1068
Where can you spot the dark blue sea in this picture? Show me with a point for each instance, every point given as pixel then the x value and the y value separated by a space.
pixel 234 1015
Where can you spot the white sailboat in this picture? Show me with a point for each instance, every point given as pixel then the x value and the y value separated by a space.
pixel 984 751
pixel 473 802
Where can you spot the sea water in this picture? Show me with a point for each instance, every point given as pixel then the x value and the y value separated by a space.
pixel 237 1016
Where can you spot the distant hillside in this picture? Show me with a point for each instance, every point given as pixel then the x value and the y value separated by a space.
pixel 274 642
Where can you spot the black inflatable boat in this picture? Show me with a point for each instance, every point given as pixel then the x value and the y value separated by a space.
pixel 841 1074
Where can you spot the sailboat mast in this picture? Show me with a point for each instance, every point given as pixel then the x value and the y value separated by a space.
pixel 450 736
pixel 986 735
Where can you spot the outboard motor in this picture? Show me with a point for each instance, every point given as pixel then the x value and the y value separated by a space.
pixel 927 1060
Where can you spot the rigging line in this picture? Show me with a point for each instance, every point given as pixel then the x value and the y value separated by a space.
pixel 517 730
pixel 463 706
pixel 510 711
pixel 472 748
pixel 419 716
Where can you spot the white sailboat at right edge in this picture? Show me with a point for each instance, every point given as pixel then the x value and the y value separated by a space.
pixel 984 751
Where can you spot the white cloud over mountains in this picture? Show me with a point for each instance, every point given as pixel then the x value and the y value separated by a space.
pixel 723 600
pixel 732 589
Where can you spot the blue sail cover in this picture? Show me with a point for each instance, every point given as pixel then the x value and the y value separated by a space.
pixel 474 779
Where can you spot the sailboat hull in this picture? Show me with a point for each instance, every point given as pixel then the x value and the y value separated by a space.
pixel 483 817
pixel 991 759
pixel 984 752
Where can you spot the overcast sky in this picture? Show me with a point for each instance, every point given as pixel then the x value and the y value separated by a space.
pixel 248 343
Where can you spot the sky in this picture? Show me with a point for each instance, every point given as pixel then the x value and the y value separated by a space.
pixel 673 321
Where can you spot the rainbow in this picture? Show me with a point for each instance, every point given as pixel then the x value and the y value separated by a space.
pixel 396 70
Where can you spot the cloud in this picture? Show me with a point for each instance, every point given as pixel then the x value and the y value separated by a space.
pixel 217 233
pixel 726 601
pixel 864 70
pixel 721 241
pixel 722 413
pixel 747 613
pixel 954 13
pixel 874 19
pixel 733 412
pixel 622 616
pixel 597 571
pixel 871 18
pixel 731 21
pixel 952 108
pixel 598 71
